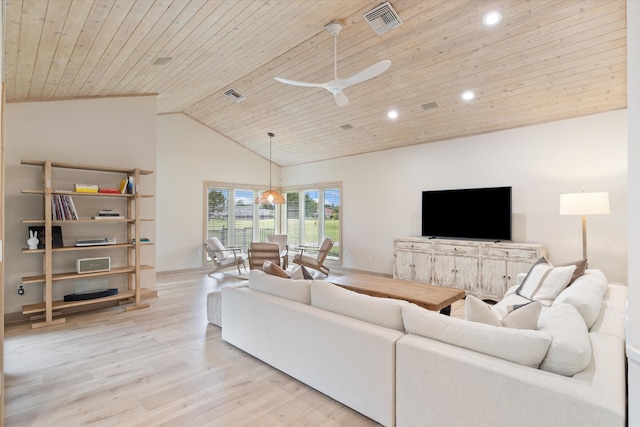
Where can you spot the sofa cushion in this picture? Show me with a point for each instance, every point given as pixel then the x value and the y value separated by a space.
pixel 295 290
pixel 570 350
pixel 524 316
pixel 523 346
pixel 586 295
pixel 380 311
pixel 544 281
pixel 611 320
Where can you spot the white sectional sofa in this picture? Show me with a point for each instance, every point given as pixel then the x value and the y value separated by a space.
pixel 399 364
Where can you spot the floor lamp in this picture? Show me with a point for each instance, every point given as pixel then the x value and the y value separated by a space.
pixel 584 204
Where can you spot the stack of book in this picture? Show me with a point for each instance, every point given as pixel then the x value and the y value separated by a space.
pixel 108 214
pixel 62 208
pixel 85 188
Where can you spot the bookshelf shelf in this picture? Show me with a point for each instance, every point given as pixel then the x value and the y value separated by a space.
pixel 131 296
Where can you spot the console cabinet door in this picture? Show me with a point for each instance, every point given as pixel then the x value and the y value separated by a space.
pixel 514 268
pixel 422 267
pixel 467 274
pixel 403 266
pixel 444 270
pixel 494 278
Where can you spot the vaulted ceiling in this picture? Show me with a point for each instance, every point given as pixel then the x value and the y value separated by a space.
pixel 547 60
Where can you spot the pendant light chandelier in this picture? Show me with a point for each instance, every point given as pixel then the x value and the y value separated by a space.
pixel 271 196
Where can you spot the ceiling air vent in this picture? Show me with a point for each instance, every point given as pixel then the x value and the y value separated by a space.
pixel 162 60
pixel 430 105
pixel 383 18
pixel 232 94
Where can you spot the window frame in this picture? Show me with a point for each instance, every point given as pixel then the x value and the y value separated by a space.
pixel 320 188
pixel 232 187
pixel 280 210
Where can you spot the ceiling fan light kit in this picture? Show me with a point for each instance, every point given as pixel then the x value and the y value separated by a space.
pixel 336 85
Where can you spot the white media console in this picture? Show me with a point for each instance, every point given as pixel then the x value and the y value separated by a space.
pixel 483 269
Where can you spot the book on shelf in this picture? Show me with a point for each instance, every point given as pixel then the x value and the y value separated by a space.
pixel 123 186
pixel 107 212
pixel 63 208
pixel 85 188
pixel 102 217
pixel 109 191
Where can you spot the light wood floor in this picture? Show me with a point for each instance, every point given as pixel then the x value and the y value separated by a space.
pixel 164 365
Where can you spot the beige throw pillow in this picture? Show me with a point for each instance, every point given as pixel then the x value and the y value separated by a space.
pixel 275 270
pixel 519 317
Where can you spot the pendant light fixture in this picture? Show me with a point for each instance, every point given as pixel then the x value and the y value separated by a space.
pixel 271 196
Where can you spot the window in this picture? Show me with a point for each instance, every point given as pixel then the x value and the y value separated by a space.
pixel 232 215
pixel 313 213
pixel 309 215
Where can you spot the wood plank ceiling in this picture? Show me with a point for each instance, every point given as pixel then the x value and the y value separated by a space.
pixel 547 60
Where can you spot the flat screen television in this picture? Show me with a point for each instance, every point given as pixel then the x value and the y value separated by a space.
pixel 472 213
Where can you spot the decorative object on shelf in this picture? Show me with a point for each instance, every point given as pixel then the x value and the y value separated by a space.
pixel 91 295
pixel 56 236
pixel 584 204
pixel 93 265
pixel 271 196
pixel 33 241
pixel 96 242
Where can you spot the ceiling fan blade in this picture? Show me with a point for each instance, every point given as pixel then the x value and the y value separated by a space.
pixel 297 83
pixel 341 98
pixel 368 73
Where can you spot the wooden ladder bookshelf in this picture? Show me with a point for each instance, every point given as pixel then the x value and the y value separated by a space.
pixel 133 295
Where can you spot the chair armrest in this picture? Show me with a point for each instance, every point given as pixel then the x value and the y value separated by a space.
pixel 307 247
pixel 236 251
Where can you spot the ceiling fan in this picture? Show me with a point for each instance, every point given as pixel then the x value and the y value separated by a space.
pixel 336 85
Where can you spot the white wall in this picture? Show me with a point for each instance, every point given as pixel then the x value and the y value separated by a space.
pixel 539 162
pixel 189 154
pixel 116 132
pixel 633 103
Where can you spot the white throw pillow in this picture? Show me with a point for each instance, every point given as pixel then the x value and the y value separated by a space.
pixel 570 351
pixel 476 310
pixel 380 311
pixel 544 281
pixel 523 346
pixel 519 317
pixel 296 273
pixel 586 295
pixel 295 290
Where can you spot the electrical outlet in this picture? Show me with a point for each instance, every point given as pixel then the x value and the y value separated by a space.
pixel 20 290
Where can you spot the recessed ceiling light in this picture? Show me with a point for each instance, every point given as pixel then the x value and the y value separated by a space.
pixel 467 95
pixel 393 114
pixel 492 18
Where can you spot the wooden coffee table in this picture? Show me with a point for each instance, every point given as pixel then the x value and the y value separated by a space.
pixel 436 298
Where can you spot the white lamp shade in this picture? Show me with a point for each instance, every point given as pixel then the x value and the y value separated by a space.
pixel 584 203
